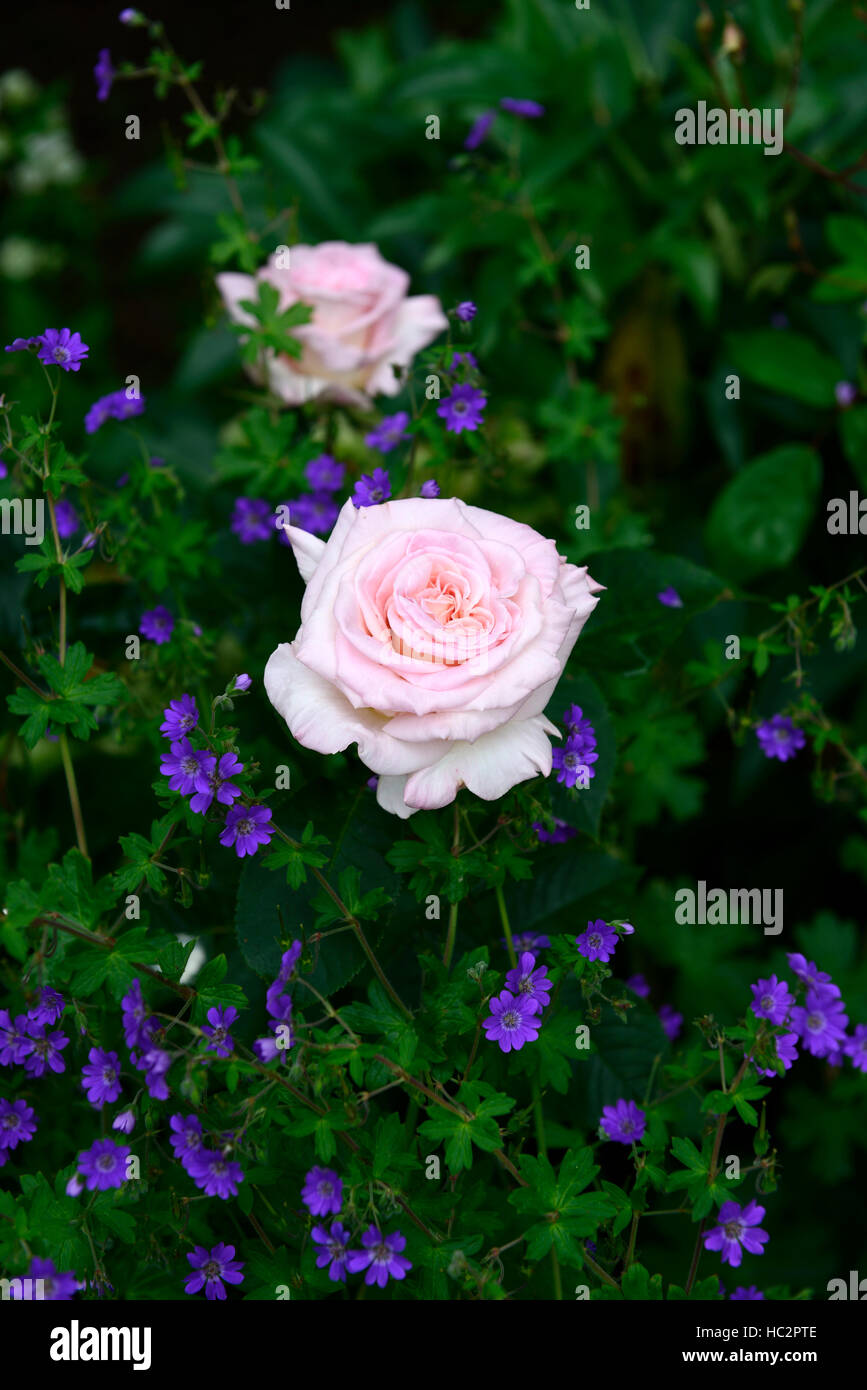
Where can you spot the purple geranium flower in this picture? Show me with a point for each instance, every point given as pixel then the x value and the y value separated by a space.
pixel 638 985
pixel 742 1295
pixel 598 941
pixel 270 1049
pixel 855 1047
pixel 623 1122
pixel 60 348
pixel 124 1122
pixel 466 358
pixel 845 393
pixel 135 1019
pixel 533 984
pixel 821 1024
pixel 289 960
pixel 56 1288
pixel 13 1036
pixel 157 625
pixel 324 473
pixel 180 718
pixel 50 1006
pixel 187 1138
pixel 115 406
pixel 17 1123
pixel 315 512
pixel 182 765
pixel 155 1062
pixel 429 488
pixel 512 1021
pixel 558 836
pixel 104 74
pixel 522 106
pixel 479 129
pixel 213 779
pixel 251 520
pixel 40 1050
pixel 247 828
pixel 809 973
pixel 778 738
pixel 322 1192
pixel 772 999
pixel 101 1077
pixel 462 410
pixel 671 1021
pixel 103 1165
pixel 66 517
pixel 390 431
pixel 738 1230
pixel 220 1020
pixel 332 1249
pixel 579 751
pixel 215 1173
pixel 381 1257
pixel 211 1267
pixel 670 598
pixel 466 310
pixel 528 941
pixel 372 488
pixel 23 344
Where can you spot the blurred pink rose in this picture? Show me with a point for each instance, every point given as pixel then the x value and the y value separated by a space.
pixel 363 324
pixel 432 635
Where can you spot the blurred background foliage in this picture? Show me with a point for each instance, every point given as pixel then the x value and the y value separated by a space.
pixel 606 386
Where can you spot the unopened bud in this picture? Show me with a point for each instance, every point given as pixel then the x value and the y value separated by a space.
pixel 733 40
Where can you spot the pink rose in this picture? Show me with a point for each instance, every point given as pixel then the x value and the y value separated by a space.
pixel 363 324
pixel 432 635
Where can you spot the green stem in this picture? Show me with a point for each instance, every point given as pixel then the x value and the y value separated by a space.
pixel 356 927
pixel 72 788
pixel 507 930
pixel 452 932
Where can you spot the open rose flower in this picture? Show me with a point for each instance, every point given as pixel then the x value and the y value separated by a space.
pixel 363 324
pixel 432 635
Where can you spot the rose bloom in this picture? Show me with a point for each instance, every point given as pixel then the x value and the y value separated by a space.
pixel 432 635
pixel 362 326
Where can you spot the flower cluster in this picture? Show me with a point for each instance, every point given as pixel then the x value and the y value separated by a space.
pixel 515 1016
pixel 381 1256
pixel 279 1006
pixel 818 1024
pixel 574 761
pixel 206 777
pixel 140 1029
pixel 211 1169
pixel 316 511
pixel 27 1041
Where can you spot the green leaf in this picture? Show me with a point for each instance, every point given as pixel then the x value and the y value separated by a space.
pixel 636 577
pixel 760 518
pixel 786 363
